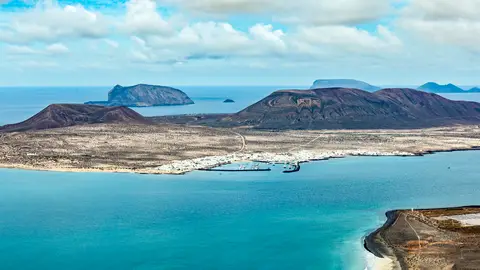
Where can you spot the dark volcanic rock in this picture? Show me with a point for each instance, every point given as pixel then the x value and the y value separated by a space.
pixel 64 115
pixel 143 95
pixel 437 88
pixel 228 101
pixel 341 108
pixel 344 83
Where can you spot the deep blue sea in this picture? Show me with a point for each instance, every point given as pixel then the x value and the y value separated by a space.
pixel 314 219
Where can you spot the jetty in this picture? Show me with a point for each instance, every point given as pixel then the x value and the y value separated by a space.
pixel 236 170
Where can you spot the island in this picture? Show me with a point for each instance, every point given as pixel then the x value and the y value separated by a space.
pixel 474 90
pixel 291 126
pixel 344 83
pixel 144 95
pixel 433 87
pixel 444 238
pixel 228 101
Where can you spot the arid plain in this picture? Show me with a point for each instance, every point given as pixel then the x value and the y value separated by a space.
pixel 177 149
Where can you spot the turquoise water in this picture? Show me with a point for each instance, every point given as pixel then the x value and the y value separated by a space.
pixel 314 219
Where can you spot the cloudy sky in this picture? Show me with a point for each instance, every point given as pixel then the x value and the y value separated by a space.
pixel 238 42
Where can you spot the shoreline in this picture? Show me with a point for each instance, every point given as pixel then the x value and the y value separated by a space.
pixel 210 162
pixel 380 251
pixel 442 239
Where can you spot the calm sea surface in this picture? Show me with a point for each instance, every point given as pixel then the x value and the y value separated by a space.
pixel 314 219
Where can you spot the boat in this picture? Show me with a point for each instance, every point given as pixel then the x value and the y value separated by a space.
pixel 295 168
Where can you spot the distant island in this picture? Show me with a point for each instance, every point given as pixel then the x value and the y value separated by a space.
pixel 344 83
pixel 144 95
pixel 433 87
pixel 430 87
pixel 343 108
pixel 228 101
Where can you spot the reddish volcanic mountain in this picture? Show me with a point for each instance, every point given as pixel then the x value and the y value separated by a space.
pixel 65 115
pixel 345 108
pixel 353 108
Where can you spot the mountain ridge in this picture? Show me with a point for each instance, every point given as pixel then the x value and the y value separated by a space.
pixel 345 108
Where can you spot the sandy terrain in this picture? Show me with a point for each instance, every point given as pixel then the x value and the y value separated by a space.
pixel 176 149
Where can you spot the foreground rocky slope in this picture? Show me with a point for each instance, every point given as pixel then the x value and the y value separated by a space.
pixel 65 115
pixel 345 108
pixel 445 238
pixel 143 95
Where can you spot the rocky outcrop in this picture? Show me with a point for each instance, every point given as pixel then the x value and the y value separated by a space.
pixel 229 101
pixel 65 115
pixel 143 95
pixel 344 83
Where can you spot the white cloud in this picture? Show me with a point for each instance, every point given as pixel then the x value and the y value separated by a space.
pixel 57 48
pixel 49 22
pixel 111 43
pixel 157 40
pixel 52 49
pixel 142 19
pixel 318 12
pixel 38 64
pixel 321 41
pixel 210 40
pixel 444 21
pixel 21 50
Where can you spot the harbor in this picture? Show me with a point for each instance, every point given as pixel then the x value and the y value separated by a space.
pixel 256 167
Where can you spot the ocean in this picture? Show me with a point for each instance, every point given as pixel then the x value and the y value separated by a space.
pixel 314 219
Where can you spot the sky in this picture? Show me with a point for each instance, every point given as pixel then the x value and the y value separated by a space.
pixel 238 42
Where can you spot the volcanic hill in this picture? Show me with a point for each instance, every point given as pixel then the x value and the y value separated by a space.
pixel 345 108
pixel 65 115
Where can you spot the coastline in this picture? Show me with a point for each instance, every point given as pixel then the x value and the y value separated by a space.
pixel 436 238
pixel 383 255
pixel 182 167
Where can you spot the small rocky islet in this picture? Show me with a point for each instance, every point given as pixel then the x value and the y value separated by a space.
pixel 144 95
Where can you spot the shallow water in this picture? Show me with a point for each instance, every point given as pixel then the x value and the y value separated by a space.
pixel 314 219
